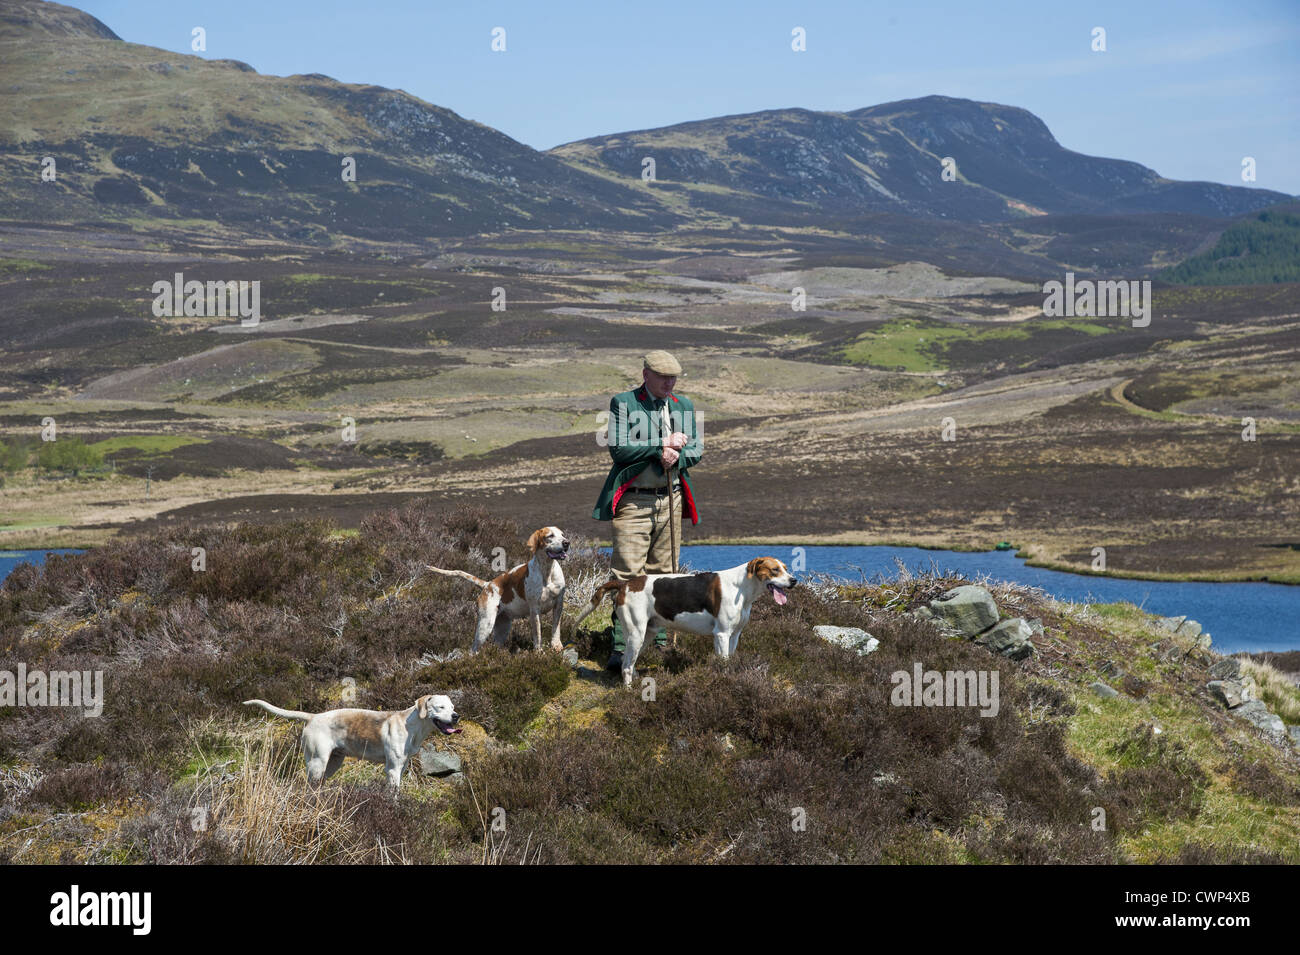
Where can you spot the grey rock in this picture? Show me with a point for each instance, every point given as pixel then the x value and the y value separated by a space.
pixel 570 656
pixel 1256 713
pixel 923 613
pixel 1181 626
pixel 1036 626
pixel 1231 693
pixel 1203 641
pixel 969 610
pixel 1111 670
pixel 850 638
pixel 1229 668
pixel 438 762
pixel 1104 691
pixel 1294 732
pixel 884 779
pixel 1009 638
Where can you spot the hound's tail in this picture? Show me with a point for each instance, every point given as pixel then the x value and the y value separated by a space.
pixel 458 573
pixel 287 714
pixel 609 587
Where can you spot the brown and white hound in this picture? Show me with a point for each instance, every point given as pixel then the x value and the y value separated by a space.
pixel 713 604
pixel 528 590
pixel 389 737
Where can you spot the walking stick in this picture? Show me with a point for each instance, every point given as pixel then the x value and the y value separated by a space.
pixel 672 516
pixel 672 507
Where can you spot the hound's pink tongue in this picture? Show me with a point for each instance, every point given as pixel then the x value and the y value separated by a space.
pixel 451 729
pixel 778 595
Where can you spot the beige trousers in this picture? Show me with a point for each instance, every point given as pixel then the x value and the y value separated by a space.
pixel 642 543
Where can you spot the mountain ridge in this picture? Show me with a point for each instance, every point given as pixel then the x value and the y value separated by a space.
pixel 184 140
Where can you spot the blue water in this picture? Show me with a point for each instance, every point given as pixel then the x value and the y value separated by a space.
pixel 1250 617
pixel 9 559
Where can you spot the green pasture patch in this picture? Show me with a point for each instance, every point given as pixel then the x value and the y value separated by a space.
pixel 922 345
pixel 146 443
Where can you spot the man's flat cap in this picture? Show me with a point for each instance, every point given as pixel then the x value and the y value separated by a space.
pixel 662 362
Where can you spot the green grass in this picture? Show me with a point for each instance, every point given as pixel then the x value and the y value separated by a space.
pixel 21 265
pixel 148 443
pixel 33 521
pixel 922 345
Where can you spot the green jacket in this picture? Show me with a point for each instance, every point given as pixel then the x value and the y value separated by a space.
pixel 635 442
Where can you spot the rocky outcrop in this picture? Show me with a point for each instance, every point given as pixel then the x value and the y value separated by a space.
pixel 1232 693
pixel 970 612
pixel 438 762
pixel 1010 638
pixel 850 638
pixel 1229 668
pixel 1268 722
pixel 1183 627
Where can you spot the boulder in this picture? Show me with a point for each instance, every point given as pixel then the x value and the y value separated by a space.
pixel 1231 693
pixel 850 638
pixel 1180 625
pixel 1229 668
pixel 1294 732
pixel 1009 638
pixel 969 610
pixel 438 762
pixel 1256 713
pixel 1104 691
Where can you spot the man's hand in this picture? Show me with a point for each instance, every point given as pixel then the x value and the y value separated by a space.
pixel 669 457
pixel 677 440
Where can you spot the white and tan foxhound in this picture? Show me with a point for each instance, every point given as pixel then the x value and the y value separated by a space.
pixel 390 737
pixel 528 590
pixel 713 604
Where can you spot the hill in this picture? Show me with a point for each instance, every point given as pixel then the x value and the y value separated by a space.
pixel 167 144
pixel 889 158
pixel 146 136
pixel 796 751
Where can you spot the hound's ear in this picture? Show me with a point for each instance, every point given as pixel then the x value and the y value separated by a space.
pixel 752 567
pixel 423 704
pixel 537 541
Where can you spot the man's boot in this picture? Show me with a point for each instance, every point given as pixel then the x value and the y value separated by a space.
pixel 615 661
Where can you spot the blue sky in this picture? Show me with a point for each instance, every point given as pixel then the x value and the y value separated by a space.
pixel 1187 88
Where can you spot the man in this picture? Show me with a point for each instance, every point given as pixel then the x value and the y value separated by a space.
pixel 653 436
